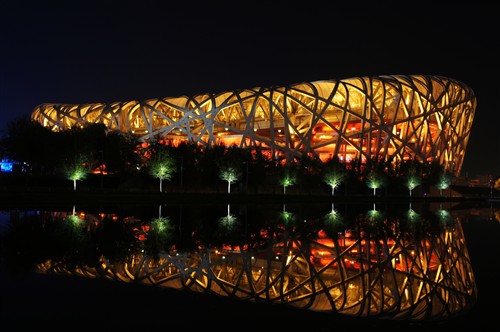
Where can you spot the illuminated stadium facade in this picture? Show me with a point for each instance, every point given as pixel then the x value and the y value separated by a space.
pixel 390 118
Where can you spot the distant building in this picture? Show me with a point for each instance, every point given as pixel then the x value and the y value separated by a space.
pixel 427 118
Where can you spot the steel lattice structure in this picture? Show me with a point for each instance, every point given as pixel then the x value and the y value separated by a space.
pixel 398 117
pixel 397 277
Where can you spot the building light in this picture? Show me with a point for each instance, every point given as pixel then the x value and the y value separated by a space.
pixel 6 166
pixel 365 109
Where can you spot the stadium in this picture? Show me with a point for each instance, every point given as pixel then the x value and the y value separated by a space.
pixel 390 118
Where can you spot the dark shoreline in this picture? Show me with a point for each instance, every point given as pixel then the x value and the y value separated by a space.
pixel 47 198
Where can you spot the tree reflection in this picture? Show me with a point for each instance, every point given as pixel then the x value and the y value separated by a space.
pixel 159 235
pixel 288 218
pixel 416 255
pixel 333 220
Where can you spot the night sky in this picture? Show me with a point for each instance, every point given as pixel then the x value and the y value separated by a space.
pixel 92 52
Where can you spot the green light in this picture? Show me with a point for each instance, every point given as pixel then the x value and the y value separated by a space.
pixel 161 225
pixel 374 215
pixel 288 179
pixel 73 219
pixel 288 218
pixel 333 218
pixel 230 174
pixel 163 168
pixel 374 181
pixel 444 216
pixel 334 178
pixel 412 215
pixel 75 227
pixel 159 234
pixel 228 222
pixel 75 172
pixel 412 182
pixel 443 183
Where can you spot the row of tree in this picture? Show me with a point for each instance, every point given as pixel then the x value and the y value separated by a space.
pixel 91 148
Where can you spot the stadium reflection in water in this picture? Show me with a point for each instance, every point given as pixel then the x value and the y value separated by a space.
pixel 409 264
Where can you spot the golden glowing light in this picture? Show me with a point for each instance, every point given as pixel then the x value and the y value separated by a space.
pixel 394 118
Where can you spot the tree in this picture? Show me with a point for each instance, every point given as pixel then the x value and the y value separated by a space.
pixel 29 142
pixel 75 171
pixel 288 178
pixel 334 177
pixel 119 153
pixel 444 181
pixel 411 171
pixel 412 181
pixel 162 167
pixel 374 180
pixel 159 234
pixel 230 174
pixel 333 220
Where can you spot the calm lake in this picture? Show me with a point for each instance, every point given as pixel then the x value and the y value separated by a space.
pixel 414 265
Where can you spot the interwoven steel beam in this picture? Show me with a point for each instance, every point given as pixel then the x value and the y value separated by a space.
pixel 397 117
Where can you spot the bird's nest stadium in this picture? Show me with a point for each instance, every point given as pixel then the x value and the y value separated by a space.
pixel 390 118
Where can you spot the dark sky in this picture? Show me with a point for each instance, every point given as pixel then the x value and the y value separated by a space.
pixel 86 52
